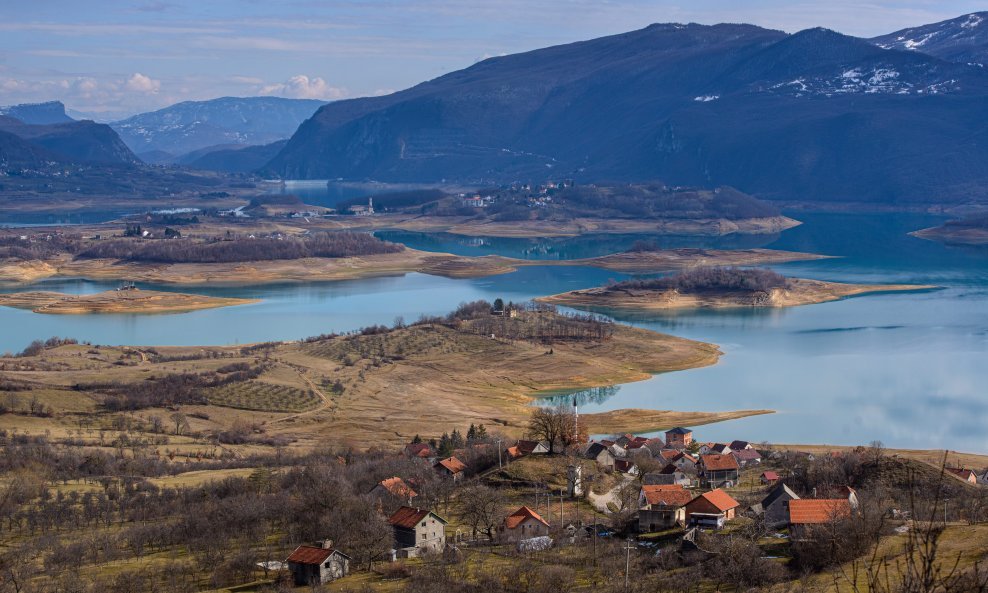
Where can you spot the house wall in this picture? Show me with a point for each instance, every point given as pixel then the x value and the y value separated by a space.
pixel 777 513
pixel 701 505
pixel 307 574
pixel 654 519
pixel 718 478
pixel 527 529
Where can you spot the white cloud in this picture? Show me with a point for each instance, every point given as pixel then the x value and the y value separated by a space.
pixel 303 87
pixel 142 84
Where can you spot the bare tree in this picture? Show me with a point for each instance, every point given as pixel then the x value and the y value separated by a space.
pixel 553 425
pixel 482 508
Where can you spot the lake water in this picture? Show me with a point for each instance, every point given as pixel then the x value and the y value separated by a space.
pixel 907 369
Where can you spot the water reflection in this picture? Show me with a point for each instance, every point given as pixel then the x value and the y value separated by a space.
pixel 581 397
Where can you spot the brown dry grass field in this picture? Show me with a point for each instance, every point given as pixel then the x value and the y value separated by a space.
pixel 359 390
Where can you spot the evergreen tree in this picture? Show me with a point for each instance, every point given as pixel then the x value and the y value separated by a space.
pixel 481 432
pixel 471 433
pixel 456 439
pixel 446 445
pixel 417 440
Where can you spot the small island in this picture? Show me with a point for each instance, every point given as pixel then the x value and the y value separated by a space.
pixel 966 231
pixel 127 300
pixel 718 288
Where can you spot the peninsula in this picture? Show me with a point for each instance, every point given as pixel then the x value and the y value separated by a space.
pixel 966 231
pixel 718 288
pixel 379 385
pixel 131 300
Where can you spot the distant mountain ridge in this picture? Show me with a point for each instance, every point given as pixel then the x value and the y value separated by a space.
pixel 963 39
pixel 814 115
pixel 193 125
pixel 50 112
pixel 71 142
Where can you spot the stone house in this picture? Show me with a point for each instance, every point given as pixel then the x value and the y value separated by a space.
pixel 417 531
pixel 393 489
pixel 315 565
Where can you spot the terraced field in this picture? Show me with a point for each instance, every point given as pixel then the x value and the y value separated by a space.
pixel 263 397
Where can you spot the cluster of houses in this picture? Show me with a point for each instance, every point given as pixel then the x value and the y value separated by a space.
pixel 690 490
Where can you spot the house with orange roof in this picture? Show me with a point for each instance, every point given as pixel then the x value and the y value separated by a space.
pixel 711 509
pixel 315 565
pixel 718 470
pixel 524 523
pixel 417 531
pixel 806 514
pixel 394 488
pixel 662 506
pixel 451 467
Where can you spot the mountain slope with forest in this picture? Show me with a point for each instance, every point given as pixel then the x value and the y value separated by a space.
pixel 963 39
pixel 813 116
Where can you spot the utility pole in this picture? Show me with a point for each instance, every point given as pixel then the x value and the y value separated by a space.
pixel 561 522
pixel 499 454
pixel 627 564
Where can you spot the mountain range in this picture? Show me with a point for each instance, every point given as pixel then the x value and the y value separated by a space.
pixel 810 116
pixel 166 134
pixel 963 39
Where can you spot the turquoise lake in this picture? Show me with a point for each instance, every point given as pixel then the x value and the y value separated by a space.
pixel 910 369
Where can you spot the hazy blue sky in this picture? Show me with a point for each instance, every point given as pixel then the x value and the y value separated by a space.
pixel 125 56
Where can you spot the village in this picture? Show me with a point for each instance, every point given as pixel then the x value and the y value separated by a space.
pixel 650 495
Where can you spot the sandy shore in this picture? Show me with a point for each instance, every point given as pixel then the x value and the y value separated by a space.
pixel 116 301
pixel 798 292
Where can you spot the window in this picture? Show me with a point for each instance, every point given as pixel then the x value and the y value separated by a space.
pixel 423 523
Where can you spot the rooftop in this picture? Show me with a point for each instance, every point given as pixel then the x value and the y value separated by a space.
pixel 408 517
pixel 671 495
pixel 719 462
pixel 816 511
pixel 720 499
pixel 518 517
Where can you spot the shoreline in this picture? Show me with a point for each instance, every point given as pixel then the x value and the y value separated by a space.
pixel 390 264
pixel 799 292
pixel 116 302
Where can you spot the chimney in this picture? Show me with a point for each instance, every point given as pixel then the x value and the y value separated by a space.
pixel 326 544
pixel 814 493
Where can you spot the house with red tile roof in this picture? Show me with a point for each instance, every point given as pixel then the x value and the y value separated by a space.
pixel 963 474
pixel 806 514
pixel 662 506
pixel 417 531
pixel 769 477
pixel 451 467
pixel 625 466
pixel 711 509
pixel 418 450
pixel 718 470
pixel 315 565
pixel 747 457
pixel 524 524
pixel 532 447
pixel 395 488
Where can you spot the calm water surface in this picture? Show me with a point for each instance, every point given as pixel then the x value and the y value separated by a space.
pixel 908 369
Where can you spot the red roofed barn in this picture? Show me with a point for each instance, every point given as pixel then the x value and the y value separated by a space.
pixel 315 565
